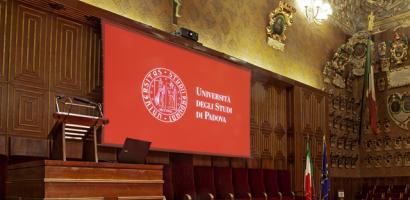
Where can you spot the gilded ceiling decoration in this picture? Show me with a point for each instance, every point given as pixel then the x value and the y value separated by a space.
pixel 351 15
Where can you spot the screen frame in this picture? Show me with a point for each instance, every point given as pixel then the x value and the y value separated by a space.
pixel 181 43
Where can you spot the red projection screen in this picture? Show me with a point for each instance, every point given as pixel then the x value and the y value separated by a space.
pixel 180 100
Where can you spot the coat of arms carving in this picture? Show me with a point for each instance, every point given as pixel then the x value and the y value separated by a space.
pixel 399 49
pixel 279 20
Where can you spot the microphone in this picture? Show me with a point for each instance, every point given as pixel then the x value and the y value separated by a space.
pixel 83 100
pixel 60 96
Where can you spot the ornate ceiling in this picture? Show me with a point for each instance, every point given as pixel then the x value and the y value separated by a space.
pixel 351 15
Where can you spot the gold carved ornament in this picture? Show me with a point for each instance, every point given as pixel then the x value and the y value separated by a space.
pixel 399 49
pixel 178 8
pixel 279 20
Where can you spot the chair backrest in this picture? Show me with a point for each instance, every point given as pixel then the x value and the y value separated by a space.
pixel 223 182
pixel 399 189
pixel 367 189
pixel 285 182
pixel 406 196
pixel 394 195
pixel 271 182
pixel 3 174
pixel 204 181
pixel 381 189
pixel 168 187
pixel 241 182
pixel 257 182
pixel 183 176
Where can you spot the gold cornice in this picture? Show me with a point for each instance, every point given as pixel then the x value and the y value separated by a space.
pixel 400 20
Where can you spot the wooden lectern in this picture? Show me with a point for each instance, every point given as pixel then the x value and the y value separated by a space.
pixel 72 126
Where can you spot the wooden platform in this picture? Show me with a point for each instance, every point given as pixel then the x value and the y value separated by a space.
pixel 54 179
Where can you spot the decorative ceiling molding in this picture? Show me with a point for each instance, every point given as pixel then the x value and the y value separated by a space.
pixel 398 21
pixel 351 15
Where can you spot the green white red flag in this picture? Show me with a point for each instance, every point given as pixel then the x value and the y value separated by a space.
pixel 308 174
pixel 369 88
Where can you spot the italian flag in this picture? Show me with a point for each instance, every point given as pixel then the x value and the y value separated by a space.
pixel 308 174
pixel 369 88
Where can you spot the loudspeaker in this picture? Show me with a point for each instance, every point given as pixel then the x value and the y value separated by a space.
pixel 186 33
pixel 134 151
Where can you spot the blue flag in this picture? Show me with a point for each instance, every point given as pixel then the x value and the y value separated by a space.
pixel 325 173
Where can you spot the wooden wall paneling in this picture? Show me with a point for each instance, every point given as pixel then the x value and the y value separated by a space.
pixel 263 138
pixel 67 58
pixel 290 136
pixel 4 69
pixel 202 160
pixel 298 143
pixel 94 69
pixel 278 117
pixel 28 111
pixel 3 108
pixel 108 154
pixel 5 36
pixel 268 125
pixel 220 161
pixel 157 157
pixel 238 162
pixel 350 187
pixel 280 161
pixel 43 54
pixel 3 145
pixel 254 132
pixel 392 180
pixel 257 98
pixel 254 163
pixel 74 149
pixel 30 43
pixel 266 140
pixel 3 175
pixel 310 122
pixel 269 163
pixel 25 146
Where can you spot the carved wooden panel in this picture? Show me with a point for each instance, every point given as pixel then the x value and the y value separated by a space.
pixel 253 163
pixel 257 100
pixel 28 111
pixel 350 186
pixel 4 37
pixel 107 154
pixel 202 160
pixel 310 118
pixel 3 107
pixel 268 121
pixel 254 128
pixel 67 58
pixel 220 162
pixel 3 145
pixel 280 161
pixel 30 41
pixel 94 70
pixel 238 162
pixel 157 157
pixel 24 146
pixel 266 140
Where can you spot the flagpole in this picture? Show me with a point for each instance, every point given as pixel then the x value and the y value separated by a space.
pixel 321 184
pixel 370 26
pixel 361 112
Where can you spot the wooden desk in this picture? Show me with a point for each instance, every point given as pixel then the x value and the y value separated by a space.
pixel 50 179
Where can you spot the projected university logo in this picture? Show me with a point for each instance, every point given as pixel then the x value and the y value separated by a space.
pixel 164 95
